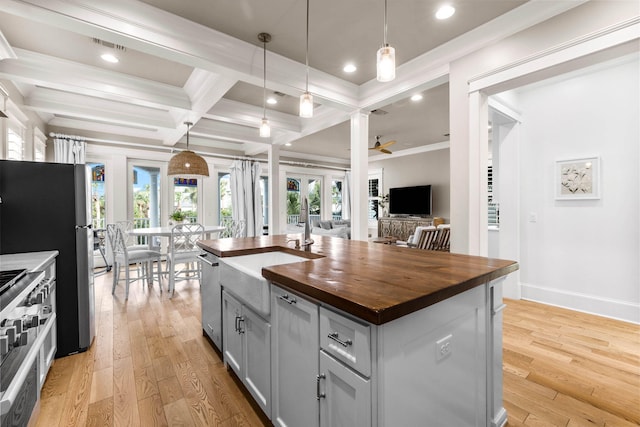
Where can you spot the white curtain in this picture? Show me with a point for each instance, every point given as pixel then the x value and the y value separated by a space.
pixel 69 150
pixel 246 202
pixel 346 196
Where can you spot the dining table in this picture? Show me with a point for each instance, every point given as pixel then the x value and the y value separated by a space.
pixel 165 231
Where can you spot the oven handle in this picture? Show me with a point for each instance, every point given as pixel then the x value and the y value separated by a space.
pixel 12 391
pixel 203 258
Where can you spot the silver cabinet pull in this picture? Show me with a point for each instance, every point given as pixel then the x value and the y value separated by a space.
pixel 499 309
pixel 318 394
pixel 238 326
pixel 287 299
pixel 336 337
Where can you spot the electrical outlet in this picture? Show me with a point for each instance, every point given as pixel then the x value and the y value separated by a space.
pixel 443 347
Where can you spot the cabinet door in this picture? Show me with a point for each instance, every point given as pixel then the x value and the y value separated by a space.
pixel 294 351
pixel 233 326
pixel 257 359
pixel 211 295
pixel 346 396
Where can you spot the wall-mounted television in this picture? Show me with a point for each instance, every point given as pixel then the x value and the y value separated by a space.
pixel 415 201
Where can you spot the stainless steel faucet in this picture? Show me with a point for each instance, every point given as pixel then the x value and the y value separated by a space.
pixel 304 219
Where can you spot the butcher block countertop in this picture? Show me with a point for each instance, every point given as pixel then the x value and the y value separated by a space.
pixel 374 282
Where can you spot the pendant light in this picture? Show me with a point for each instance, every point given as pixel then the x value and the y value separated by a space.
pixel 187 162
pixel 386 58
pixel 265 129
pixel 306 100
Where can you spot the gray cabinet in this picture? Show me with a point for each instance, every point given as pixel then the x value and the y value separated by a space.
pixel 211 296
pixel 345 395
pixel 295 352
pixel 247 349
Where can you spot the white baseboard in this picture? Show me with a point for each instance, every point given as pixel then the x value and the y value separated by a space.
pixel 606 307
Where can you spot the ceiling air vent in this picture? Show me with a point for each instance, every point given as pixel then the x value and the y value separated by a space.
pixel 379 112
pixel 109 44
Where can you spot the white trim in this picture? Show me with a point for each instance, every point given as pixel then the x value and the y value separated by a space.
pixel 6 51
pixel 411 151
pixel 612 308
pixel 579 47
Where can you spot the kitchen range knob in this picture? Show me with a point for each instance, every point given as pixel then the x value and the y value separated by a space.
pixel 10 333
pixel 4 345
pixel 40 297
pixel 19 325
pixel 32 321
pixel 23 339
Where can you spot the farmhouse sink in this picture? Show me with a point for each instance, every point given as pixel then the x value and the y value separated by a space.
pixel 242 276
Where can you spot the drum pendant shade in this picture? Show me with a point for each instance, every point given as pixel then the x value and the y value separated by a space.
pixel 187 162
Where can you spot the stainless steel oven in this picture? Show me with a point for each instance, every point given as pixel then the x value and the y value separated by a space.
pixel 27 342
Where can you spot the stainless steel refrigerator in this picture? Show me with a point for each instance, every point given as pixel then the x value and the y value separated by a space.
pixel 46 206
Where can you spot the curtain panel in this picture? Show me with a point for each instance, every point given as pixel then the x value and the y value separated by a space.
pixel 69 150
pixel 246 201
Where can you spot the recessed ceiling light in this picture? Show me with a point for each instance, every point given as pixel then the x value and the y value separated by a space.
pixel 288 144
pixel 271 100
pixel 349 68
pixel 109 58
pixel 445 12
pixel 416 97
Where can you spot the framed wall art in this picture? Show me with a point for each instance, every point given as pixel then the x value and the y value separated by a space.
pixel 577 179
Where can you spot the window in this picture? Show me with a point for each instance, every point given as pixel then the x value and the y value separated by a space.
pixel 375 195
pixel 224 184
pixel 494 208
pixel 298 188
pixel 97 195
pixel 185 198
pixel 264 195
pixel 336 199
pixel 39 149
pixel 293 201
pixel 15 142
pixel 146 196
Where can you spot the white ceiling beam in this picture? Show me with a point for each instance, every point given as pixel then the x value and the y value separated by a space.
pixel 91 108
pixel 148 29
pixel 104 128
pixel 6 51
pixel 56 73
pixel 249 115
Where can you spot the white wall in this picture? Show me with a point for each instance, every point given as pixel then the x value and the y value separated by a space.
pixel 583 20
pixel 582 254
pixel 420 169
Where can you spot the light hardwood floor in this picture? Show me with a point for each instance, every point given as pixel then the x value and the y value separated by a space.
pixel 150 365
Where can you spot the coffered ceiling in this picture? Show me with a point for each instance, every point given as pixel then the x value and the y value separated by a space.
pixel 201 61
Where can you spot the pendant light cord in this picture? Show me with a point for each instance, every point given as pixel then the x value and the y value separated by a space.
pixel 307 51
pixel 264 78
pixel 188 127
pixel 385 23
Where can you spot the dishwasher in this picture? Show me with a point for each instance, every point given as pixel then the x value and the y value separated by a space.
pixel 211 300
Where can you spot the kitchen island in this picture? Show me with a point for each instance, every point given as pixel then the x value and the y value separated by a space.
pixel 365 334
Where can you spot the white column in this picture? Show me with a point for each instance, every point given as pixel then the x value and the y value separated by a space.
pixel 273 166
pixel 359 175
pixel 478 160
pixel 327 213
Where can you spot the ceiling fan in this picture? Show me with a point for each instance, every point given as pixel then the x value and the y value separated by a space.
pixel 382 147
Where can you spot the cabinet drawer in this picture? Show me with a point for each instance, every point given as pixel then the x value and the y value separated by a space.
pixel 346 340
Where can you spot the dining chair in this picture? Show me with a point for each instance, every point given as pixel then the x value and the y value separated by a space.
pixel 183 250
pixel 442 241
pixel 233 228
pixel 143 258
pixel 428 236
